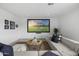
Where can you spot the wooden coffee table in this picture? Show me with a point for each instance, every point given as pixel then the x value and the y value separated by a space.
pixel 34 45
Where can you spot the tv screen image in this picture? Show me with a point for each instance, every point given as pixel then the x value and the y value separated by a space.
pixel 38 25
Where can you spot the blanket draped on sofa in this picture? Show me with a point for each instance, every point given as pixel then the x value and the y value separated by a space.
pixel 6 50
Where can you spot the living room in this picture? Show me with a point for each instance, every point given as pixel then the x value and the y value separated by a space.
pixel 54 29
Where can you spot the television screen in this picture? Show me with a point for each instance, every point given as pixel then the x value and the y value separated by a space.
pixel 38 25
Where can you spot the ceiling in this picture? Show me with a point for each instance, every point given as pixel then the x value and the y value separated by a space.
pixel 39 9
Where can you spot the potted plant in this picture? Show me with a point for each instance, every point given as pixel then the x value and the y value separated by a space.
pixel 55 35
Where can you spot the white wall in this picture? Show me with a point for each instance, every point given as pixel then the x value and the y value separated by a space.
pixel 7 36
pixel 69 25
pixel 24 34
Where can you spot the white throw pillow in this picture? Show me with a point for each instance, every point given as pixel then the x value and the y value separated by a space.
pixel 1 54
pixel 20 47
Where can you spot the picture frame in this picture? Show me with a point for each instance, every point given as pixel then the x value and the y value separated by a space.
pixel 6 27
pixel 38 25
pixel 6 22
pixel 12 25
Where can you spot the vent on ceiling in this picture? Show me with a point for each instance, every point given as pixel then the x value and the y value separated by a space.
pixel 50 3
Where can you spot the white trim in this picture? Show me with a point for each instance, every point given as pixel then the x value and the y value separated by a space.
pixel 70 40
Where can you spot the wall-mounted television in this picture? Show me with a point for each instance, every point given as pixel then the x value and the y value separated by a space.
pixel 38 25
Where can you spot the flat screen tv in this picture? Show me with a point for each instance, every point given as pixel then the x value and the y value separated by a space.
pixel 38 25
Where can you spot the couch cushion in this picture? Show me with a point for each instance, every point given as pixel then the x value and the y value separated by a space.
pixel 27 53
